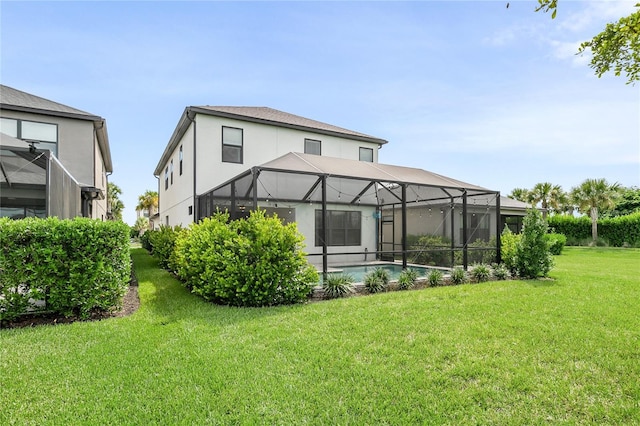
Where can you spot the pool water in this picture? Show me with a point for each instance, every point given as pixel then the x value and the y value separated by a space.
pixel 358 272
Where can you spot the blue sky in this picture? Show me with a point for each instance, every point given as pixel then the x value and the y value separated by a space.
pixel 491 95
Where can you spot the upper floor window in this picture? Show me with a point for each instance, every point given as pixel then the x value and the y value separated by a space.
pixel 171 170
pixel 231 145
pixel 44 135
pixel 166 178
pixel 312 146
pixel 366 154
pixel 181 156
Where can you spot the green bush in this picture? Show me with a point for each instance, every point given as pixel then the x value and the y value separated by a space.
pixel 435 278
pixel 429 250
pixel 376 280
pixel 500 271
pixel 620 231
pixel 533 258
pixel 556 243
pixel 256 261
pixel 145 240
pixel 73 266
pixel 481 272
pixel 479 251
pixel 509 249
pixel 459 276
pixel 407 279
pixel 337 285
pixel 163 242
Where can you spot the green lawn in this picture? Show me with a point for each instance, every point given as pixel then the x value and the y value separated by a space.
pixel 519 352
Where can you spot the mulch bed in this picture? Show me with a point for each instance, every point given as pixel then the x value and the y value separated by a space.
pixel 130 304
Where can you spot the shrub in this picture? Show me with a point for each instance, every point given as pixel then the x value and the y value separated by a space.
pixel 435 278
pixel 430 250
pixel 337 285
pixel 459 276
pixel 509 249
pixel 376 280
pixel 533 258
pixel 556 243
pixel 74 266
pixel 481 272
pixel 500 271
pixel 162 243
pixel 407 279
pixel 145 240
pixel 255 261
pixel 480 251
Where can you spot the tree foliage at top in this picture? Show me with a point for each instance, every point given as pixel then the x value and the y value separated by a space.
pixel 616 48
pixel 148 201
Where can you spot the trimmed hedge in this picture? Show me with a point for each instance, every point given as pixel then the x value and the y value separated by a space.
pixel 256 261
pixel 618 231
pixel 74 266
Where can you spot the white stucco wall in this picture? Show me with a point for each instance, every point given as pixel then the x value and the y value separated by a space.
pixel 175 201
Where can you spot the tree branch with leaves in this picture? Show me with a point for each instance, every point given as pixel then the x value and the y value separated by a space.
pixel 616 49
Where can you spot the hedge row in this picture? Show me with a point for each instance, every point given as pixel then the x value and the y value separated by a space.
pixel 73 266
pixel 255 261
pixel 617 231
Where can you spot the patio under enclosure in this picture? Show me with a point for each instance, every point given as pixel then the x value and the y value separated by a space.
pixel 356 212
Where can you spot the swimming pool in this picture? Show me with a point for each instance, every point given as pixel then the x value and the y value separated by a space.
pixel 358 272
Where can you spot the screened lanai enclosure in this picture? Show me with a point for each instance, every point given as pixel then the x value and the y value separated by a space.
pixel 35 184
pixel 354 212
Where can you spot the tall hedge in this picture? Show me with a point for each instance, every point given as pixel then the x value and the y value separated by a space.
pixel 257 261
pixel 617 231
pixel 74 266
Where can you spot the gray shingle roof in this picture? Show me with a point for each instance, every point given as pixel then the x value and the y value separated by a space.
pixel 11 98
pixel 276 117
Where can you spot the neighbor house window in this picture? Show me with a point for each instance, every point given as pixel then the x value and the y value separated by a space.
pixel 231 145
pixel 44 135
pixel 181 156
pixel 166 178
pixel 312 146
pixel 366 154
pixel 344 228
pixel 171 170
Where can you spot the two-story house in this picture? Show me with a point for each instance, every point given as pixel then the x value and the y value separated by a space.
pixel 54 159
pixel 211 145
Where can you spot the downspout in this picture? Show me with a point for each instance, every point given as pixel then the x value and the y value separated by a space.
pixel 196 208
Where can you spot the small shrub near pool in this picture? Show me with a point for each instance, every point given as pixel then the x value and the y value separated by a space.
pixel 337 285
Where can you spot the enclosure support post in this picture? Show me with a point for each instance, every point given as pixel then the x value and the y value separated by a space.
pixel 233 200
pixel 325 265
pixel 498 230
pixel 465 245
pixel 453 232
pixel 255 173
pixel 404 225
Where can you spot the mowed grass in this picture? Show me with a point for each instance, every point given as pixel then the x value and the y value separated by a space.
pixel 561 351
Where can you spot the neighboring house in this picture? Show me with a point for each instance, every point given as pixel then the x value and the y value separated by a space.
pixel 55 159
pixel 152 215
pixel 325 178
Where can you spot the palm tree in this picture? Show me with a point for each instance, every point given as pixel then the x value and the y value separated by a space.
pixel 547 194
pixel 148 201
pixel 594 194
pixel 520 194
pixel 114 204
